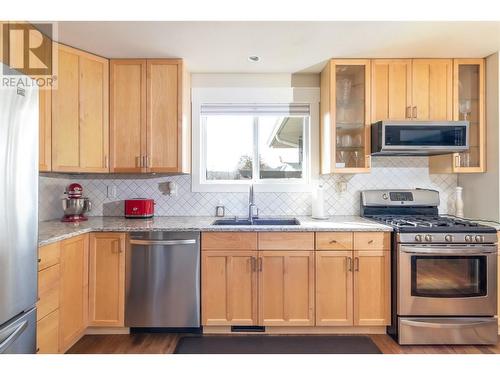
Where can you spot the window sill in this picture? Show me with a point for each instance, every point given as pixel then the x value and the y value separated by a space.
pixel 258 187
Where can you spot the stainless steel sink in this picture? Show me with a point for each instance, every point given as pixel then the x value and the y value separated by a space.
pixel 264 221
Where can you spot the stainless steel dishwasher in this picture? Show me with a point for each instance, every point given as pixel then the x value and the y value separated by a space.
pixel 163 280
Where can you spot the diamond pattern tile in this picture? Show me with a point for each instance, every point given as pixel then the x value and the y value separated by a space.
pixel 394 172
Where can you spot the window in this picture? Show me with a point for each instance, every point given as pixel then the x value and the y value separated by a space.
pixel 243 143
pixel 266 143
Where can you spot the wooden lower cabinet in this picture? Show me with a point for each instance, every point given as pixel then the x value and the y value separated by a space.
pixel 48 291
pixel 334 288
pixel 107 279
pixel 47 334
pixel 353 288
pixel 73 310
pixel 47 314
pixel 286 288
pixel 229 288
pixel 372 287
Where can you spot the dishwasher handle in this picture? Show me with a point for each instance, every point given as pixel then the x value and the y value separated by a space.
pixel 162 242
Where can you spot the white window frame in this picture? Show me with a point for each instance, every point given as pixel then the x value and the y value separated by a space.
pixel 252 95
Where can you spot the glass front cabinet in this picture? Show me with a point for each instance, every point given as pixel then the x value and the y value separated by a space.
pixel 345 117
pixel 468 105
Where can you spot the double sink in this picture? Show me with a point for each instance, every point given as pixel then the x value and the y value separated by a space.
pixel 256 221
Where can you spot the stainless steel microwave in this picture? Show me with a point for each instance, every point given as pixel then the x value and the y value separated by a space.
pixel 409 138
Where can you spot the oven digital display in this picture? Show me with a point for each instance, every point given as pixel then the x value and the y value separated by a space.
pixel 401 196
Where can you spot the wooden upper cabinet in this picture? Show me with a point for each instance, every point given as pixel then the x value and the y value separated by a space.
pixel 418 89
pixel 150 122
pixel 127 115
pixel 45 130
pixel 391 90
pixel 468 105
pixel 286 288
pixel 73 303
pixel 94 114
pixel 432 85
pixel 372 289
pixel 164 126
pixel 334 288
pixel 345 117
pixel 65 113
pixel 107 279
pixel 229 288
pixel 80 122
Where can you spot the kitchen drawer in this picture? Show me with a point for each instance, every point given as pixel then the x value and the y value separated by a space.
pixel 334 241
pixel 47 334
pixel 229 241
pixel 372 240
pixel 286 241
pixel 48 291
pixel 48 255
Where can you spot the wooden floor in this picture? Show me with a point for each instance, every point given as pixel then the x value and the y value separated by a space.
pixel 165 343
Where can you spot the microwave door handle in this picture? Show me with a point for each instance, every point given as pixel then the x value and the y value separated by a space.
pixel 449 251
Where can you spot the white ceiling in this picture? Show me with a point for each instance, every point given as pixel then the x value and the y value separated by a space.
pixel 284 47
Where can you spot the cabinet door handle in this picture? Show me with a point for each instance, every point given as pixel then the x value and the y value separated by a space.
pixel 253 264
pixel 138 162
pixel 356 264
pixel 414 114
pixel 349 264
pixel 144 162
pixel 260 264
pixel 408 112
pixel 106 161
pixel 457 160
pixel 147 161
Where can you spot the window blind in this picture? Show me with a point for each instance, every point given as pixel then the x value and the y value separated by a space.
pixel 290 109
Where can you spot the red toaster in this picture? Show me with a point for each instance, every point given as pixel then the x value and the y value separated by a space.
pixel 139 208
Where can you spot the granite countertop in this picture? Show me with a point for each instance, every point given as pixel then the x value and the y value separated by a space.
pixel 54 230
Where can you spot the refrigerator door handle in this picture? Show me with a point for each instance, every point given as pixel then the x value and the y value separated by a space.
pixel 13 335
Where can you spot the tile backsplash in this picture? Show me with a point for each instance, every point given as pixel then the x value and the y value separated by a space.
pixel 393 172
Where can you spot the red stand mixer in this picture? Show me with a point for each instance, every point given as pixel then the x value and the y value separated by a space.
pixel 75 205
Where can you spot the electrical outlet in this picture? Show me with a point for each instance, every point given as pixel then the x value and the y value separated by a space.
pixel 111 191
pixel 342 186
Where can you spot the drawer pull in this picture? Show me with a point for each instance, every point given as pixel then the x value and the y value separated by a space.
pixel 370 242
pixel 39 260
pixel 333 241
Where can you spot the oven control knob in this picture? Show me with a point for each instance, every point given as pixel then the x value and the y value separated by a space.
pixel 428 238
pixel 418 238
pixel 468 238
pixel 479 238
pixel 385 196
pixel 448 238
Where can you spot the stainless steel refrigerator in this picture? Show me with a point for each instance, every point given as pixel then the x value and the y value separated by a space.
pixel 18 218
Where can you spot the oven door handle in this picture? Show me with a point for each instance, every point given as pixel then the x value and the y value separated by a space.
pixel 449 251
pixel 423 324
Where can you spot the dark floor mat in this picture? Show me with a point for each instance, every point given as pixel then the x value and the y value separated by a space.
pixel 264 344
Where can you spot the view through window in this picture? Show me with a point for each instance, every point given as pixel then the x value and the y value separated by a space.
pixel 252 147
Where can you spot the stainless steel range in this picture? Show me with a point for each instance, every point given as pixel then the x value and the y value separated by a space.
pixel 444 270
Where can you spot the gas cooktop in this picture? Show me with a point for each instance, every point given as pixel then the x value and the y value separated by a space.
pixel 414 211
pixel 425 223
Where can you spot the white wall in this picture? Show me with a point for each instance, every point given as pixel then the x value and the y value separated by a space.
pixel 481 191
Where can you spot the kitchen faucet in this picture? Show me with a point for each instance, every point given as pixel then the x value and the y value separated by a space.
pixel 251 206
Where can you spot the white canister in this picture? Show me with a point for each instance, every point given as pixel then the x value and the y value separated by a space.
pixel 459 202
